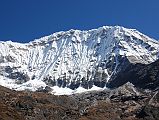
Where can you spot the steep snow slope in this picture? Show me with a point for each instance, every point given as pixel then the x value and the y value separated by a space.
pixel 74 58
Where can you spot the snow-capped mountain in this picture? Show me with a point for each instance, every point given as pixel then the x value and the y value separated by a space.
pixel 74 60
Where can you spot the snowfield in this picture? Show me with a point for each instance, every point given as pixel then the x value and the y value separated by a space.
pixel 67 61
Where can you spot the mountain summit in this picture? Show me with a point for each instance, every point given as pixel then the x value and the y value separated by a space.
pixel 74 60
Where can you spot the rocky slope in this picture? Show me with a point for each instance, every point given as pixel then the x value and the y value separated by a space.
pixel 141 75
pixel 125 102
pixel 75 59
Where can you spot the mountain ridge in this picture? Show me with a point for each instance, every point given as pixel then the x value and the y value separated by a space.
pixel 74 58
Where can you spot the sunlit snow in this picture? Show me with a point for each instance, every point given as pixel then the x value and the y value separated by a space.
pixel 72 55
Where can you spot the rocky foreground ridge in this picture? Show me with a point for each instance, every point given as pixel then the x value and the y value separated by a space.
pixel 123 103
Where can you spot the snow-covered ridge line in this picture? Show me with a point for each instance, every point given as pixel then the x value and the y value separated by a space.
pixel 92 30
pixel 74 58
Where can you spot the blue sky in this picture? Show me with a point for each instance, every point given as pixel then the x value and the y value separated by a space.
pixel 25 20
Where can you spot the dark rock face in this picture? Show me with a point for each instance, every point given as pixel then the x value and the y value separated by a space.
pixel 47 89
pixel 8 69
pixel 9 58
pixel 142 76
pixel 148 113
pixel 12 73
pixel 20 77
pixel 6 58
pixel 2 59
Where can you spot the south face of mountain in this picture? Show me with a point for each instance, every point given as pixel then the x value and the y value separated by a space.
pixel 105 57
